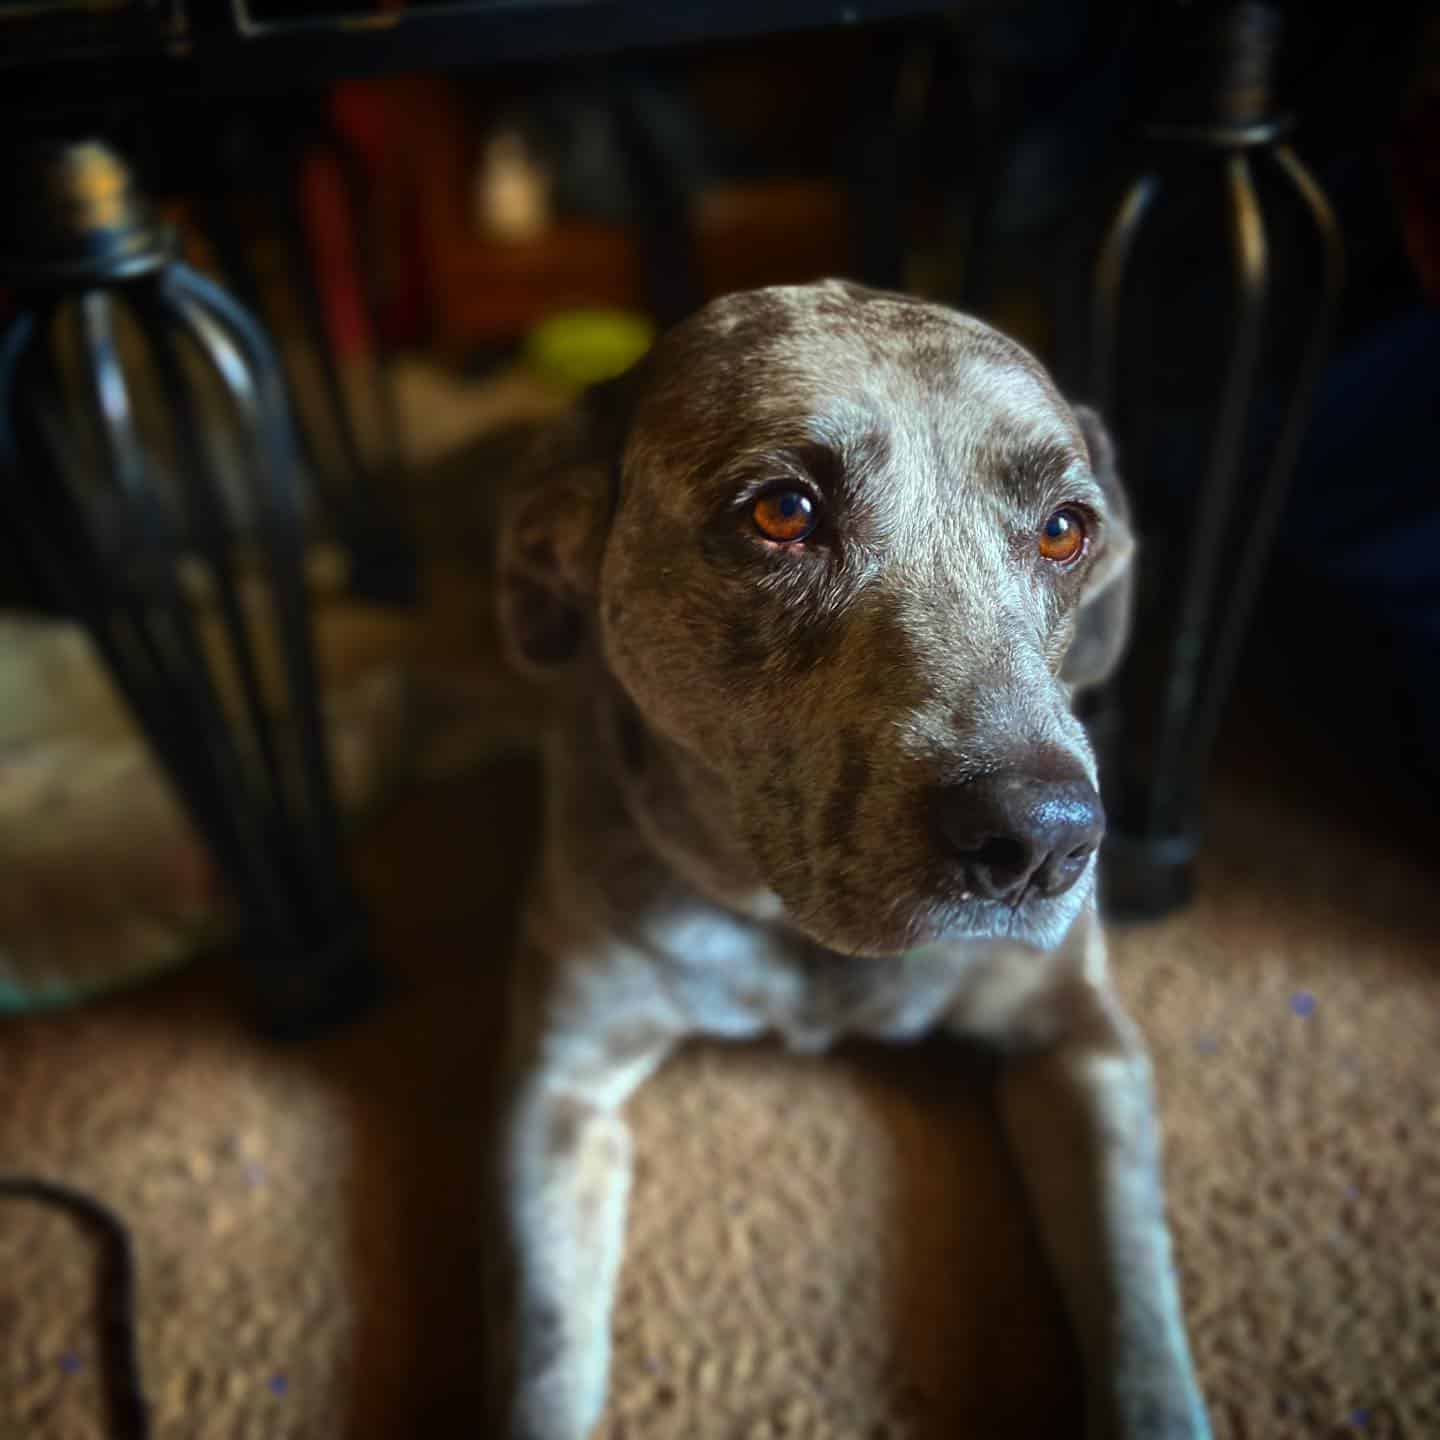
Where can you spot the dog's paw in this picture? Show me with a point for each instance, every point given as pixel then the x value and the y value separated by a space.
pixel 556 1411
pixel 1152 1415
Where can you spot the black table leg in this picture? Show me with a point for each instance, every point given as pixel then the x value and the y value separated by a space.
pixel 1214 294
pixel 187 572
pixel 265 157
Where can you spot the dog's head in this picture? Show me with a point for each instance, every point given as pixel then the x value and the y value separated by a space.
pixel 850 554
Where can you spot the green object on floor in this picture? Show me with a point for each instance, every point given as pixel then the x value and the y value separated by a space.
pixel 583 347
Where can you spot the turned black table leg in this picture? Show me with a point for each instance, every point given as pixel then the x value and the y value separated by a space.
pixel 384 566
pixel 125 377
pixel 265 158
pixel 659 172
pixel 1215 290
pixel 876 152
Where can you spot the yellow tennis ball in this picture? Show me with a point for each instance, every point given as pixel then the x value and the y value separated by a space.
pixel 584 347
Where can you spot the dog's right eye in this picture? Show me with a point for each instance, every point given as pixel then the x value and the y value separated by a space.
pixel 785 516
pixel 1062 537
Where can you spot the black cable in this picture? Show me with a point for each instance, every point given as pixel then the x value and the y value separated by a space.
pixel 115 1308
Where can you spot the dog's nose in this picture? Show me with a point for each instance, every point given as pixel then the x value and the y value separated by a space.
pixel 1013 833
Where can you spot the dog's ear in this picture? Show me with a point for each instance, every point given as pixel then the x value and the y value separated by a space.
pixel 553 528
pixel 1103 624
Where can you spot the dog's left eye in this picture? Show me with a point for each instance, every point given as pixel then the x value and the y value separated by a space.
pixel 1062 536
pixel 785 516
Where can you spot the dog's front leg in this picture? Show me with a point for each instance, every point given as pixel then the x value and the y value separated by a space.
pixel 566 1181
pixel 569 1181
pixel 1081 1120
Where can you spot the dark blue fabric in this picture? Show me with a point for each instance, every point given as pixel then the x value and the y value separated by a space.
pixel 1359 549
pixel 1365 510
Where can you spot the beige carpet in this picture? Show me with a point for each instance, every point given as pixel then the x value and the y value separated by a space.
pixel 817 1247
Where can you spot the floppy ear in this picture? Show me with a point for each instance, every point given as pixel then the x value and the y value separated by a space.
pixel 1103 624
pixel 553 528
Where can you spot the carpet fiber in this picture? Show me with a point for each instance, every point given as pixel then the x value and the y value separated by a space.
pixel 827 1247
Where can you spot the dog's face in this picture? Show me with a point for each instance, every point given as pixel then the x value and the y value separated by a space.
pixel 860 555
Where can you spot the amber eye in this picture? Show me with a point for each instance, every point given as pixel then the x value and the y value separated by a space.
pixel 785 516
pixel 1062 537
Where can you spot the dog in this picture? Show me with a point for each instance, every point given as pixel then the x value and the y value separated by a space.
pixel 814 586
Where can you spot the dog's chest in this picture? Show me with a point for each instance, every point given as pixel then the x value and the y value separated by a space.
pixel 742 983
